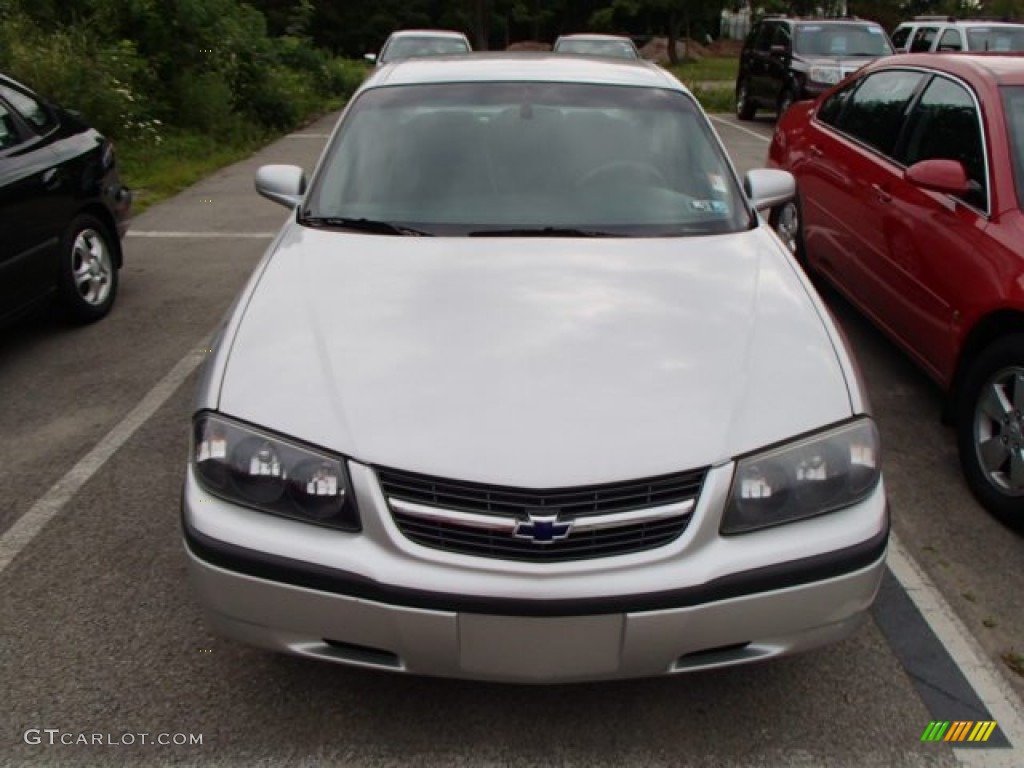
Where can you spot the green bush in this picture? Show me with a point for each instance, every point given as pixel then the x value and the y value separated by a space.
pixel 341 77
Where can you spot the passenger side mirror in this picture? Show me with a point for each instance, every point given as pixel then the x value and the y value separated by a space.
pixel 284 184
pixel 769 187
pixel 946 176
pixel 370 57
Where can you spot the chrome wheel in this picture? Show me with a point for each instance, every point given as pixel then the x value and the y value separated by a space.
pixel 91 267
pixel 999 430
pixel 787 226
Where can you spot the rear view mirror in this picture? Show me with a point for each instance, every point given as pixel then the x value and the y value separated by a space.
pixel 284 184
pixel 946 176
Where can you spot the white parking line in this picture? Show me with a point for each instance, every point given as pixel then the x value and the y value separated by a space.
pixel 740 128
pixel 29 525
pixel 202 235
pixel 993 690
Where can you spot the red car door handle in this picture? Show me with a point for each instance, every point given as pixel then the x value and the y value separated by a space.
pixel 880 193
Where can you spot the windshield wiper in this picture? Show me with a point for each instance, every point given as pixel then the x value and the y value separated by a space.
pixel 363 225
pixel 542 232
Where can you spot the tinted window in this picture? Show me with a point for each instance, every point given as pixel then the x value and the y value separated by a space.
pixel 458 158
pixel 1000 39
pixel 8 131
pixel 840 40
pixel 923 39
pixel 875 111
pixel 764 37
pixel 833 105
pixel 781 36
pixel 37 115
pixel 950 41
pixel 944 125
pixel 899 37
pixel 1013 99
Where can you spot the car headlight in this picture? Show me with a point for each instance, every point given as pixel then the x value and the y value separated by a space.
pixel 254 468
pixel 812 476
pixel 826 75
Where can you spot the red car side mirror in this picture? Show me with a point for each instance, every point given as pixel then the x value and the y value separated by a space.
pixel 946 176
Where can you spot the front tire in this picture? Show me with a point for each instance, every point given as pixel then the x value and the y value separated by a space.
pixel 746 108
pixel 88 270
pixel 990 429
pixel 786 100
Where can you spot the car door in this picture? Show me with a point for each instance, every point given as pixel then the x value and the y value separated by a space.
pixel 29 235
pixel 934 243
pixel 845 174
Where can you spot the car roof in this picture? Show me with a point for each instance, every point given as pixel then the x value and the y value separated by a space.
pixel 1004 68
pixel 427 33
pixel 960 23
pixel 522 66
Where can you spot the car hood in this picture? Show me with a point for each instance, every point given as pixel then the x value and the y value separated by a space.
pixel 533 362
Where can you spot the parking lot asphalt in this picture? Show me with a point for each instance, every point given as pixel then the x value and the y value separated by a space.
pixel 101 635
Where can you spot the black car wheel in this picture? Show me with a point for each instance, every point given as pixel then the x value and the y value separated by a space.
pixel 88 271
pixel 990 429
pixel 786 99
pixel 746 108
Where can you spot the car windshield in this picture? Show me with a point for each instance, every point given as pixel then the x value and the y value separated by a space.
pixel 413 47
pixel 1013 101
pixel 1001 39
pixel 528 158
pixel 840 40
pixel 615 48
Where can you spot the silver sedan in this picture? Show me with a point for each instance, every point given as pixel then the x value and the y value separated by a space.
pixel 527 390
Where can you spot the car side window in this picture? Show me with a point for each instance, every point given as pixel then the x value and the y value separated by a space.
pixel 899 37
pixel 764 38
pixel 944 125
pixel 923 39
pixel 831 108
pixel 782 37
pixel 34 113
pixel 8 130
pixel 950 41
pixel 875 111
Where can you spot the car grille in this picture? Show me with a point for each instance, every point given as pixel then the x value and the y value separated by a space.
pixel 495 521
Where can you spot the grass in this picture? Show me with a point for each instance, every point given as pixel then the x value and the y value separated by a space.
pixel 156 171
pixel 717 69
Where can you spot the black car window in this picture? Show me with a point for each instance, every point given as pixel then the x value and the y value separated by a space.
pixel 899 37
pixel 8 130
pixel 781 36
pixel 875 111
pixel 34 113
pixel 831 107
pixel 764 37
pixel 1013 101
pixel 923 39
pixel 950 41
pixel 944 125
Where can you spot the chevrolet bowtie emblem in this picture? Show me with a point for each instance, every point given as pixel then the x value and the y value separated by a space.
pixel 543 529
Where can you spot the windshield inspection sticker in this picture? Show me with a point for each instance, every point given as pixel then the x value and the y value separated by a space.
pixel 709 206
pixel 717 183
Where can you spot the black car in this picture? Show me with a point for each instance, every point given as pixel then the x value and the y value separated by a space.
pixel 63 209
pixel 787 59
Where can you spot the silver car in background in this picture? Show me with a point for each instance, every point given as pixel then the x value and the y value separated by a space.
pixel 614 46
pixel 416 43
pixel 526 390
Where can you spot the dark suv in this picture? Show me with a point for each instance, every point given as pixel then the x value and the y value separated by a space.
pixel 787 59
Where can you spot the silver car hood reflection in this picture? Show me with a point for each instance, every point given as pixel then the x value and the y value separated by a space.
pixel 531 362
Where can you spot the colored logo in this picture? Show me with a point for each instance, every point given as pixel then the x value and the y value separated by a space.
pixel 958 730
pixel 542 529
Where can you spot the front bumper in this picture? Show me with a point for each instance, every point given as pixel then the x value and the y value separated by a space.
pixel 376 599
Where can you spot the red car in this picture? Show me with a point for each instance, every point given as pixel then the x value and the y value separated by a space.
pixel 911 183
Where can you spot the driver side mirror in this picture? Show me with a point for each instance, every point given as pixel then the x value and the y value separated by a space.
pixel 370 57
pixel 947 176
